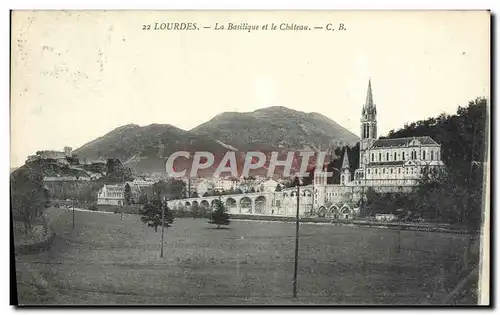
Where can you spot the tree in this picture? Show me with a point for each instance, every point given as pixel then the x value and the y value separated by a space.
pixel 170 189
pixel 195 210
pixel 128 194
pixel 116 172
pixel 309 179
pixel 29 196
pixel 219 216
pixel 143 199
pixel 151 214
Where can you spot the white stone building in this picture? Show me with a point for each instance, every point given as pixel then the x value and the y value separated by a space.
pixel 205 186
pixel 111 195
pixel 225 184
pixel 391 162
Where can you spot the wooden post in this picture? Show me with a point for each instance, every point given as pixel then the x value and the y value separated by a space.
pixel 74 207
pixel 296 245
pixel 162 227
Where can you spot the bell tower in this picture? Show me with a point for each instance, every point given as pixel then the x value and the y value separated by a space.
pixel 368 126
pixel 345 176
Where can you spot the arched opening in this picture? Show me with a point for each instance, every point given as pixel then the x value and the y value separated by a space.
pixel 246 205
pixel 322 212
pixel 187 204
pixel 333 209
pixel 231 205
pixel 195 204
pixel 205 204
pixel 346 212
pixel 260 204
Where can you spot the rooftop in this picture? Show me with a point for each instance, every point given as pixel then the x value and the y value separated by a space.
pixel 404 142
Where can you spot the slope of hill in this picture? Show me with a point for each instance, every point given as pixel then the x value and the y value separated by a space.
pixel 276 128
pixel 144 149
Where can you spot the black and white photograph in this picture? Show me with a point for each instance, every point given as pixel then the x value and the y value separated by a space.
pixel 250 158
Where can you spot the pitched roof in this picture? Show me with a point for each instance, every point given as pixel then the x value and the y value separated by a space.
pixel 114 188
pixel 403 142
pixel 369 95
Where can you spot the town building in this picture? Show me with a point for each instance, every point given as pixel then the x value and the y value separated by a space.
pixel 111 195
pixel 205 187
pixel 225 184
pixel 115 194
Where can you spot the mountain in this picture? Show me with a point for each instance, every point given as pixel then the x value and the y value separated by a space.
pixel 276 128
pixel 144 149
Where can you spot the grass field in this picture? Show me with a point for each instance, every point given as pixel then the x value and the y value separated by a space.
pixel 105 260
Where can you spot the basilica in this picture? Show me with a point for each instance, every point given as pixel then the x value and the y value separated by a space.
pixel 386 165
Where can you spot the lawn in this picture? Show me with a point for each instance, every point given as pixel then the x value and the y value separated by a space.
pixel 105 260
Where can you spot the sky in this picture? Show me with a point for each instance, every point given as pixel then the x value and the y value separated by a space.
pixel 78 75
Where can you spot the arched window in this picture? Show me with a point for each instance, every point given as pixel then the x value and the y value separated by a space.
pixel 376 171
pixel 383 170
pixel 403 155
pixel 380 157
pixel 399 170
pixel 413 155
pixel 387 156
pixel 395 156
pixel 432 155
pixel 391 170
pixel 368 171
pixel 373 157
pixel 423 155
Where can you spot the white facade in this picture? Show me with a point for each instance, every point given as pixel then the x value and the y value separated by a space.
pixel 394 162
pixel 386 165
pixel 225 184
pixel 204 186
pixel 111 195
pixel 269 186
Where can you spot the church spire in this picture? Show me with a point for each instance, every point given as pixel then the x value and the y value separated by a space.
pixel 345 162
pixel 369 95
